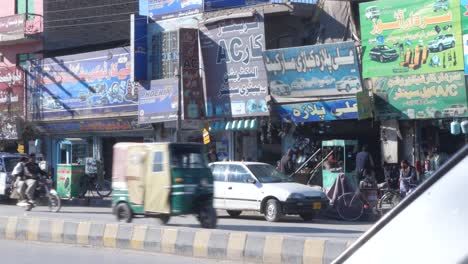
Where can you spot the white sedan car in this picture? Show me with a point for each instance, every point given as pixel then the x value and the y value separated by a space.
pixel 255 186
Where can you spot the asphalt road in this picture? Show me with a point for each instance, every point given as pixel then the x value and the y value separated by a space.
pixel 247 222
pixel 20 252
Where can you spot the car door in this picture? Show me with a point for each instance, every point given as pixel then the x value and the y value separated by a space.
pixel 240 193
pixel 158 181
pixel 220 184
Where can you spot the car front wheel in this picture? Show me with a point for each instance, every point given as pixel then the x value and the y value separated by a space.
pixel 273 211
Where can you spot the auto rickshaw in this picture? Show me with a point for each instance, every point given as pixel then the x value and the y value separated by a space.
pixel 162 180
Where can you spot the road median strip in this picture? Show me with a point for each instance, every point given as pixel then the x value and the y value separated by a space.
pixel 216 244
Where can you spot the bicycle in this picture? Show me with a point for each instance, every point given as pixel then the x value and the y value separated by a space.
pixel 388 201
pixel 88 183
pixel 350 206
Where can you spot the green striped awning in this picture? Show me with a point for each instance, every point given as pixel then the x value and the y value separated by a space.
pixel 234 125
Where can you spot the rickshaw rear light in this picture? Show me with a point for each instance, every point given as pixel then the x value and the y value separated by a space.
pixel 179 180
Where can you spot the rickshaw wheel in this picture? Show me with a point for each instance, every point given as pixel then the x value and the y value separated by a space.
pixel 207 217
pixel 123 213
pixel 164 219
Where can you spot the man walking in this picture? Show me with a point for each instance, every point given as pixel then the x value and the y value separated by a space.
pixel 364 161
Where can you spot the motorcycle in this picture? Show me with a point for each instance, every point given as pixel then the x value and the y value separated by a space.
pixel 45 194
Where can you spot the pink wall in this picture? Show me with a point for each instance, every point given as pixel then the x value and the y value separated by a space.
pixel 8 7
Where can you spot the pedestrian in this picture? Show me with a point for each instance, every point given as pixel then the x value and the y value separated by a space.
pixel 19 186
pixel 364 161
pixel 31 173
pixel 286 163
pixel 212 156
pixel 407 177
pixel 438 159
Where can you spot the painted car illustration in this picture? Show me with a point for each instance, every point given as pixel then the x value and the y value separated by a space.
pixel 455 110
pixel 301 83
pixel 347 83
pixel 186 3
pixel 432 112
pixel 441 42
pixel 383 53
pixel 372 12
pixel 326 81
pixel 279 88
pixel 441 5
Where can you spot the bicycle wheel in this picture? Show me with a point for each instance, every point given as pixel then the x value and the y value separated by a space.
pixel 54 203
pixel 104 188
pixel 84 187
pixel 388 201
pixel 349 206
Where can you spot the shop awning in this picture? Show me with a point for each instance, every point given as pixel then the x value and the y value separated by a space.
pixel 234 125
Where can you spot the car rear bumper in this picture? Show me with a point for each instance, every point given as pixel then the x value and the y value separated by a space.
pixel 292 206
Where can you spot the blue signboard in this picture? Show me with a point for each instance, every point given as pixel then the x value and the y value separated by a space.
pixel 319 111
pixel 165 9
pixel 313 71
pixel 235 77
pixel 211 5
pixel 93 84
pixel 139 47
pixel 158 102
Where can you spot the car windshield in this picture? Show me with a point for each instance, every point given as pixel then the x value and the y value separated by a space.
pixel 187 157
pixel 266 173
pixel 10 163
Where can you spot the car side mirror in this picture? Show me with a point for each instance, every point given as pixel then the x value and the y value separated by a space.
pixel 250 180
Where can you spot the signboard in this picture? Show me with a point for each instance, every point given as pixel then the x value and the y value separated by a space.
pixel 191 82
pixel 410 37
pixel 434 95
pixel 211 5
pixel 139 47
pixel 364 101
pixel 83 126
pixel 11 101
pixel 165 9
pixel 83 85
pixel 158 102
pixel 319 111
pixel 313 71
pixel 165 54
pixel 464 20
pixel 235 76
pixel 12 27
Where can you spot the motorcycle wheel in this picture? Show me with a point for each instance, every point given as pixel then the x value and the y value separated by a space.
pixel 54 203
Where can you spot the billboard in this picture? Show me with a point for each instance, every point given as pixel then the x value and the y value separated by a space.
pixel 410 37
pixel 139 47
pixel 165 54
pixel 83 126
pixel 165 9
pixel 235 77
pixel 11 100
pixel 93 84
pixel 464 20
pixel 158 101
pixel 212 5
pixel 319 111
pixel 313 71
pixel 428 96
pixel 191 81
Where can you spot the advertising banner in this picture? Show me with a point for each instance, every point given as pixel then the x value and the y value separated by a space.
pixel 235 77
pixel 191 82
pixel 93 84
pixel 165 9
pixel 464 20
pixel 158 102
pixel 212 5
pixel 165 54
pixel 319 111
pixel 83 126
pixel 11 101
pixel 139 47
pixel 435 95
pixel 410 37
pixel 313 71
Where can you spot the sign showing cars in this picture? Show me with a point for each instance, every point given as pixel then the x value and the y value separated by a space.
pixel 410 37
pixel 464 18
pixel 424 96
pixel 312 71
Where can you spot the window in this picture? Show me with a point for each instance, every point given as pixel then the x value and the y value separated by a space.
pixel 187 156
pixel 238 174
pixel 158 162
pixel 219 172
pixel 21 59
pixel 24 6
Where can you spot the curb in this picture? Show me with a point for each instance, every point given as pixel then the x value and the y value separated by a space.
pixel 201 243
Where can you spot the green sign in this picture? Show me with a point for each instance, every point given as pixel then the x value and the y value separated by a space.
pixel 410 37
pixel 364 101
pixel 464 20
pixel 424 96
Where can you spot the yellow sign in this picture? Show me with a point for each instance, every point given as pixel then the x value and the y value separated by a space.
pixel 206 137
pixel 21 148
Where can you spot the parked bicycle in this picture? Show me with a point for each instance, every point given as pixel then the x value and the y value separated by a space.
pixel 90 184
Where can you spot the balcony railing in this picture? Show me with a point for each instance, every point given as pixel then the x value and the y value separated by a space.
pixel 21 27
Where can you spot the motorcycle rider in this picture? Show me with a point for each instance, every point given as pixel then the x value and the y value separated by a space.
pixel 31 172
pixel 19 185
pixel 407 177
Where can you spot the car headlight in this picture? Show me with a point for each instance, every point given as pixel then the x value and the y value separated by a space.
pixel 296 196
